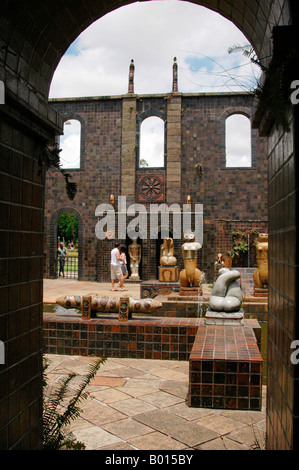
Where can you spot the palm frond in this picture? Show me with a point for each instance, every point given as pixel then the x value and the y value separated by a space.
pixel 55 420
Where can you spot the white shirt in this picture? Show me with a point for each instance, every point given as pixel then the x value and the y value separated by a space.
pixel 114 259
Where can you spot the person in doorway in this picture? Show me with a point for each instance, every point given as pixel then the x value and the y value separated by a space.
pixel 116 272
pixel 62 255
pixel 124 267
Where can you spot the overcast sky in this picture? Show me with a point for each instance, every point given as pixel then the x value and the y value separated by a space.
pixel 152 34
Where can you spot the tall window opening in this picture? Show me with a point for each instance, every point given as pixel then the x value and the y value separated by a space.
pixel 238 141
pixel 152 141
pixel 70 144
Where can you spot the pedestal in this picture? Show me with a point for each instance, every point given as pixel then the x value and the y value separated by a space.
pixel 260 292
pixel 226 367
pixel 224 318
pixel 168 273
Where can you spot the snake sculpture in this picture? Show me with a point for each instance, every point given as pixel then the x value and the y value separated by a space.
pixel 226 295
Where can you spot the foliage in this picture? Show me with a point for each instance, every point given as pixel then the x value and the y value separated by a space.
pixel 273 92
pixel 143 163
pixel 240 243
pixel 68 227
pixel 57 417
pixel 50 158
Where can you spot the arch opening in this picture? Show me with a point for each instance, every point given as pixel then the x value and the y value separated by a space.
pixel 70 144
pixel 238 141
pixel 152 142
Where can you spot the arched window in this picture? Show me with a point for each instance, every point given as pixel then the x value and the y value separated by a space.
pixel 70 144
pixel 238 141
pixel 151 146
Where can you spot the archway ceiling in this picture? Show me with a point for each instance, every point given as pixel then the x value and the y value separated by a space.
pixel 39 33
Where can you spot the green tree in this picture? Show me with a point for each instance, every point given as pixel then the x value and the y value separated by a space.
pixel 68 227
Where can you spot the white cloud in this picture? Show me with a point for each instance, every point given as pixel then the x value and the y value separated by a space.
pixel 152 33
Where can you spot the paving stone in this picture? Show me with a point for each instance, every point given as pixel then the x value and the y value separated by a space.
pixel 222 443
pixel 157 441
pixel 186 412
pixel 94 437
pixel 101 414
pixel 250 436
pixel 109 395
pixel 132 406
pixel 219 423
pixel 184 431
pixel 161 399
pixel 109 381
pixel 127 428
pixel 119 446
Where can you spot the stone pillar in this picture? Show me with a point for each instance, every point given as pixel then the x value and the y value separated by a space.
pixel 174 138
pixel 174 76
pixel 128 149
pixel 131 77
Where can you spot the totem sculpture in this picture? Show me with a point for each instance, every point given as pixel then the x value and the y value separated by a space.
pixel 260 275
pixel 226 295
pixel 190 275
pixel 135 257
pixel 167 257
pixel 168 269
pixel 124 306
pixel 219 263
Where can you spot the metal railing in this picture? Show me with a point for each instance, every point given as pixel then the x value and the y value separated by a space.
pixel 68 269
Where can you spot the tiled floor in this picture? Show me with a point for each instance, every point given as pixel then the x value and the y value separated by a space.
pixel 140 404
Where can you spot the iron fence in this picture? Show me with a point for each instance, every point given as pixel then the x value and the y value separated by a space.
pixel 69 268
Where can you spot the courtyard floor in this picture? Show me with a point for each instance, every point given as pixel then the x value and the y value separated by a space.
pixel 140 404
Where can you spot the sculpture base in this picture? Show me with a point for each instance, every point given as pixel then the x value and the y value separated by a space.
pixel 168 273
pixel 261 292
pixel 224 318
pixel 189 291
pixel 134 277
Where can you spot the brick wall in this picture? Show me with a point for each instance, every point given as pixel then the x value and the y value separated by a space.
pixel 21 286
pixel 195 133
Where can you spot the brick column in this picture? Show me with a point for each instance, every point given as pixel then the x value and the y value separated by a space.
pixel 128 149
pixel 174 125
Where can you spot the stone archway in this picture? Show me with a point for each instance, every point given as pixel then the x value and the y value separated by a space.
pixel 33 37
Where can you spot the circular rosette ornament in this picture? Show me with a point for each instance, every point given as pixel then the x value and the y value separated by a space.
pixel 151 188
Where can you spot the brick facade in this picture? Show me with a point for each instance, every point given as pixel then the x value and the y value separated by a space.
pixel 194 134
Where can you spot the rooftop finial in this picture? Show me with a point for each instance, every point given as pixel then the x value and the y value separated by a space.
pixel 175 76
pixel 131 77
